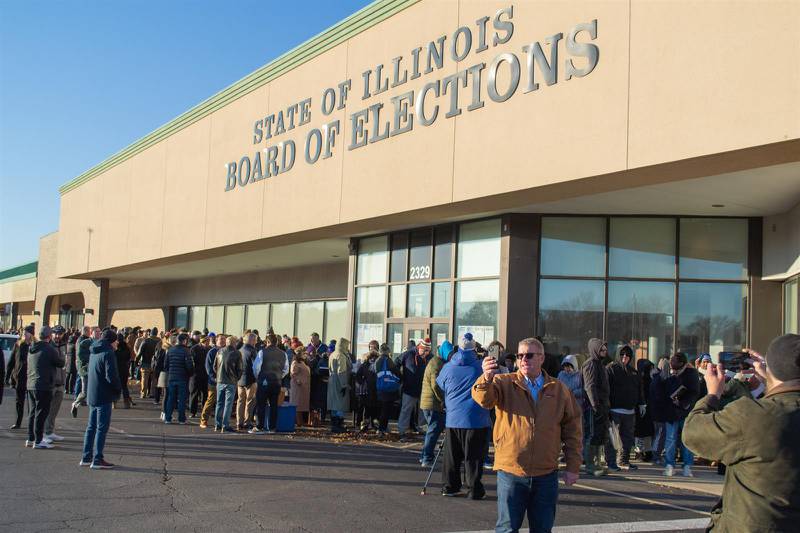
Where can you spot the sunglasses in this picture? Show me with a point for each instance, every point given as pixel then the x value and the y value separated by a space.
pixel 528 355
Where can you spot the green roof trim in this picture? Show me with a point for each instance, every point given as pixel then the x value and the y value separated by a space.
pixel 356 23
pixel 28 270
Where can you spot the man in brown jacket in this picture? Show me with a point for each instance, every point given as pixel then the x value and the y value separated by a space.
pixel 535 414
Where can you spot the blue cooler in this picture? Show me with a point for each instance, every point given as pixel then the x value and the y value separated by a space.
pixel 286 417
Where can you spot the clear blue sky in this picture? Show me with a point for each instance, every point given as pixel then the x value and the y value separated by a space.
pixel 80 80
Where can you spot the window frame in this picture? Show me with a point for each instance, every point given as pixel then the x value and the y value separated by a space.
pixel 677 279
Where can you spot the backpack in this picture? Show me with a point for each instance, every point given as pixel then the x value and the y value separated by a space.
pixel 387 381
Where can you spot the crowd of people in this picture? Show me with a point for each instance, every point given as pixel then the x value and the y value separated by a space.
pixel 604 413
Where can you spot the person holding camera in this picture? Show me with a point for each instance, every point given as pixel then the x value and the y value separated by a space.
pixel 758 439
pixel 535 415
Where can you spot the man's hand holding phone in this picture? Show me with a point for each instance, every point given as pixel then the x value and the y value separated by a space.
pixel 759 363
pixel 489 366
pixel 715 379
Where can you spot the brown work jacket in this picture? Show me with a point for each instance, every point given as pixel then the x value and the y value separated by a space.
pixel 528 435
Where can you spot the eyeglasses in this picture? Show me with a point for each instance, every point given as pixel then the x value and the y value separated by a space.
pixel 528 355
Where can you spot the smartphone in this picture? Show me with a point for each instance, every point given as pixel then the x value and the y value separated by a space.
pixel 734 361
pixel 494 351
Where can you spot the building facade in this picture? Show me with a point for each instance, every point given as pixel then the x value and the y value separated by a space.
pixel 427 167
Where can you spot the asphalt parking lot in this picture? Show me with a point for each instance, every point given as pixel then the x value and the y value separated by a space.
pixel 182 478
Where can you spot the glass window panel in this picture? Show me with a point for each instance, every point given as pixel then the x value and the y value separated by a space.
pixel 713 248
pixel 570 313
pixel 479 249
pixel 394 337
pixel 476 309
pixel 214 316
pixel 419 265
pixel 234 320
pixel 790 307
pixel 336 320
pixel 197 317
pixel 573 246
pixel 399 263
pixel 711 317
pixel 370 309
pixel 258 318
pixel 283 319
pixel 310 316
pixel 439 334
pixel 397 301
pixel 443 253
pixel 441 299
pixel 181 317
pixel 642 247
pixel 641 314
pixel 419 300
pixel 372 257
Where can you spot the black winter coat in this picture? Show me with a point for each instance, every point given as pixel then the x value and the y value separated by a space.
pixel 685 399
pixel 625 386
pixel 123 356
pixel 644 424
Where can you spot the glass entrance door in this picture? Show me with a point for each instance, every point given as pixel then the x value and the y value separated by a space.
pixel 416 331
pixel 399 334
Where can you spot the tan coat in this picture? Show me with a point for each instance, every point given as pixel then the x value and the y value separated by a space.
pixel 300 392
pixel 528 436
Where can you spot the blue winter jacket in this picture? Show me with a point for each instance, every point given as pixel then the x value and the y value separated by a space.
pixel 456 380
pixel 103 385
pixel 211 356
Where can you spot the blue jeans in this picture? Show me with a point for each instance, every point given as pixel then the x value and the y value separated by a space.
pixel 96 430
pixel 537 496
pixel 78 386
pixel 435 421
pixel 673 440
pixel 225 394
pixel 176 390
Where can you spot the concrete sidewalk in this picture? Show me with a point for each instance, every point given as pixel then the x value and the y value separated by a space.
pixel 705 480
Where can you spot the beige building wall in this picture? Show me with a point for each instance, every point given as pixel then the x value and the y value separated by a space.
pixel 782 245
pixel 145 318
pixel 25 312
pixel 50 287
pixel 319 282
pixel 20 290
pixel 666 89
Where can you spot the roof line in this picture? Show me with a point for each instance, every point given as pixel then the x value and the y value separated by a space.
pixel 356 23
pixel 19 270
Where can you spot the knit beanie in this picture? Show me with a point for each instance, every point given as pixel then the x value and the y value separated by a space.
pixel 467 342
pixel 783 357
pixel 426 342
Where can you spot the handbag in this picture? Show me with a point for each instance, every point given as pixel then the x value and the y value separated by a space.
pixel 162 380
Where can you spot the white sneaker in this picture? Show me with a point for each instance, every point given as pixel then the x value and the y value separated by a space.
pixel 29 443
pixel 47 440
pixel 162 416
pixel 52 437
pixel 84 463
pixel 669 471
pixel 44 445
pixel 687 471
pixel 256 431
